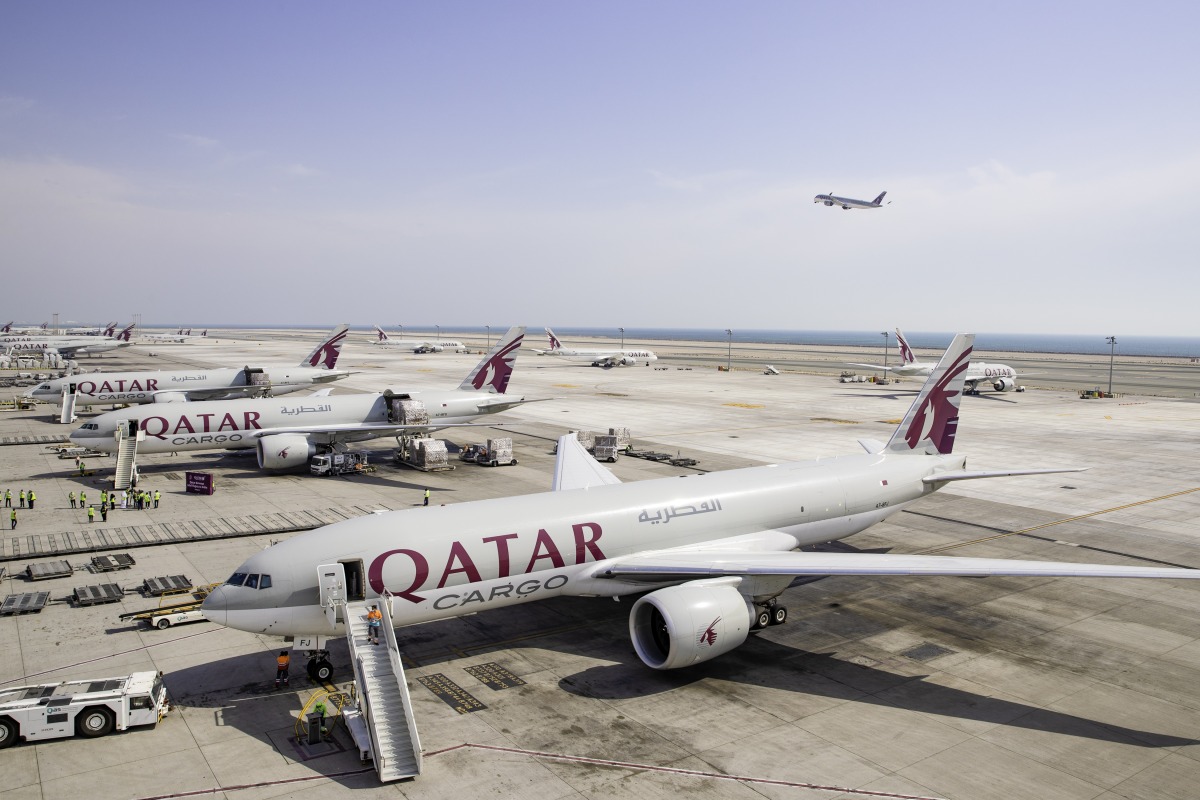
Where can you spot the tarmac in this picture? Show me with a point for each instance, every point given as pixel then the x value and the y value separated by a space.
pixel 900 687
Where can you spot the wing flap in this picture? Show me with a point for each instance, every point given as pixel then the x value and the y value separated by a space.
pixel 967 475
pixel 672 565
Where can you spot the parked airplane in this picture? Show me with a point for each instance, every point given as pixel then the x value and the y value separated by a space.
pixel 287 434
pixel 68 346
pixel 848 203
pixel 179 337
pixel 599 358
pixel 173 386
pixel 89 331
pixel 716 549
pixel 39 330
pixel 436 346
pixel 388 343
pixel 1002 377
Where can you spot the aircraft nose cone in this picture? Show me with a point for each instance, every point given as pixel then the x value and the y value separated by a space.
pixel 215 606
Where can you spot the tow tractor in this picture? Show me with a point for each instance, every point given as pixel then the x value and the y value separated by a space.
pixel 354 463
pixel 89 708
pixel 164 616
pixel 494 453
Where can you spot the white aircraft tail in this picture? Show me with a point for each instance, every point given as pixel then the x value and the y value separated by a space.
pixel 932 419
pixel 379 332
pixel 906 353
pixel 325 355
pixel 492 374
pixel 126 334
pixel 555 344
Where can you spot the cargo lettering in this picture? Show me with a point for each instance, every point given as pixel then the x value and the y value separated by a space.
pixel 160 427
pixel 497 561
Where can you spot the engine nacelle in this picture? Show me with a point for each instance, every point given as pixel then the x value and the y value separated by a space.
pixel 1004 385
pixel 627 361
pixel 170 397
pixel 684 625
pixel 285 451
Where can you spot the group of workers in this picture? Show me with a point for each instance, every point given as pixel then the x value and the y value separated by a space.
pixel 139 499
pixel 24 497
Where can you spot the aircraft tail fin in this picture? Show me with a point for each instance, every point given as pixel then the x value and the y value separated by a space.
pixel 325 354
pixel 110 330
pixel 492 374
pixel 555 344
pixel 381 336
pixel 932 419
pixel 906 353
pixel 7 328
pixel 878 200
pixel 126 334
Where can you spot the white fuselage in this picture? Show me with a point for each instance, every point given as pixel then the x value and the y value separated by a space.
pixel 144 387
pixel 63 344
pixel 596 356
pixel 844 202
pixel 237 424
pixel 446 561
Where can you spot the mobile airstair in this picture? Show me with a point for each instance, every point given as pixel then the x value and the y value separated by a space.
pixel 382 722
pixel 128 436
pixel 66 412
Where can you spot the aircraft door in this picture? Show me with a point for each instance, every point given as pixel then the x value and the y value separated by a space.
pixel 331 578
pixel 355 588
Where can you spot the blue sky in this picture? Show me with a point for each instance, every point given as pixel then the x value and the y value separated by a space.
pixel 637 164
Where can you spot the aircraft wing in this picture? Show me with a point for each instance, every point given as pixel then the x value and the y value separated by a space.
pixel 350 431
pixel 576 469
pixel 944 477
pixel 674 565
pixel 870 366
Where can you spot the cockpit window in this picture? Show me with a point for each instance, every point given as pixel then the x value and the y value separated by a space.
pixel 236 579
pixel 43 387
pixel 252 582
pixel 264 582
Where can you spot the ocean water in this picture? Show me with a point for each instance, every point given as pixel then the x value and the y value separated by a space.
pixel 1180 346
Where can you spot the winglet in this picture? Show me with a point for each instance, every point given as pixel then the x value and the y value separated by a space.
pixel 494 371
pixel 325 354
pixel 574 468
pixel 932 419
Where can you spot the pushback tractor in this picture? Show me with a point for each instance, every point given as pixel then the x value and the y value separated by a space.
pixel 88 708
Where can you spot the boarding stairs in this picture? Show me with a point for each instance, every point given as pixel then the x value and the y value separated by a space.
pixel 127 439
pixel 382 722
pixel 66 412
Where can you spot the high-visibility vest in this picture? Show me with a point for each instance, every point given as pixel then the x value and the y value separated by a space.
pixel 283 661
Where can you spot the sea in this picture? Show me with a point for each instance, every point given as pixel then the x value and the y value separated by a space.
pixel 1174 346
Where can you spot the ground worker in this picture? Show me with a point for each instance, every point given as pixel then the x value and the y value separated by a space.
pixel 82 471
pixel 91 514
pixel 8 499
pixel 319 708
pixel 426 498
pixel 157 497
pixel 71 497
pixel 22 498
pixel 104 512
pixel 82 499
pixel 32 497
pixel 12 516
pixel 374 622
pixel 282 662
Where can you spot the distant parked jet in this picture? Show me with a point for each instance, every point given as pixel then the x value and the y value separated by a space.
pixel 848 203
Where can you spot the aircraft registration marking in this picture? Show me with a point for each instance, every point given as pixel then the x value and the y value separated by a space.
pixel 494 676
pixel 451 693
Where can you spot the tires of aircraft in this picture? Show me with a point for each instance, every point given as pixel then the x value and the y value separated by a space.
pixel 762 620
pixel 778 615
pixel 320 670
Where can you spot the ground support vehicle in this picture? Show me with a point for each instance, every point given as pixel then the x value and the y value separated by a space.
pixel 89 708
pixel 340 464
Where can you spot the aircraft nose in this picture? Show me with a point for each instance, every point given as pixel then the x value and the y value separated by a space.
pixel 216 606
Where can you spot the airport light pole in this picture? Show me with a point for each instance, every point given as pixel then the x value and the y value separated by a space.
pixel 489 330
pixel 885 351
pixel 729 350
pixel 622 330
pixel 401 329
pixel 439 332
pixel 1112 351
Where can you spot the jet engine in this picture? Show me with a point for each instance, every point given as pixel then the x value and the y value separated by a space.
pixel 285 451
pixel 686 624
pixel 627 361
pixel 1004 385
pixel 170 397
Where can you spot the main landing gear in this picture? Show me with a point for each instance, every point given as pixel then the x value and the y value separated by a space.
pixel 768 614
pixel 319 667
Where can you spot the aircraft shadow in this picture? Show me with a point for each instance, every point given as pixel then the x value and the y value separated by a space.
pixel 993 397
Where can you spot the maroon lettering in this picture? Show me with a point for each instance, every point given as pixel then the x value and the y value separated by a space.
pixel 106 387
pixel 252 421
pixel 582 544
pixel 502 552
pixel 459 554
pixel 162 426
pixel 152 385
pixel 420 568
pixel 183 424
pixel 227 423
pixel 87 387
pixel 207 421
pixel 545 548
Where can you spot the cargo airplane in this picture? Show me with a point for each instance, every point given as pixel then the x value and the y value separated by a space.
pixel 174 386
pixel 388 343
pixel 179 337
pixel 1002 377
pixel 599 358
pixel 68 346
pixel 288 433
pixel 710 553
pixel 848 203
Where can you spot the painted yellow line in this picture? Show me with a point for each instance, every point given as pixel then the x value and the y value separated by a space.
pixel 1062 521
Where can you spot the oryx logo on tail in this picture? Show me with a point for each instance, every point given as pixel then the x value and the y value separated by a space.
pixel 494 371
pixel 125 335
pixel 933 416
pixel 906 353
pixel 555 344
pixel 326 353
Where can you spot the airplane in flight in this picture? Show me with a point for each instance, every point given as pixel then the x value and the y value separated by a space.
pixel 1002 377
pixel 288 433
pixel 174 386
pixel 848 203
pixel 68 346
pixel 710 553
pixel 600 358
